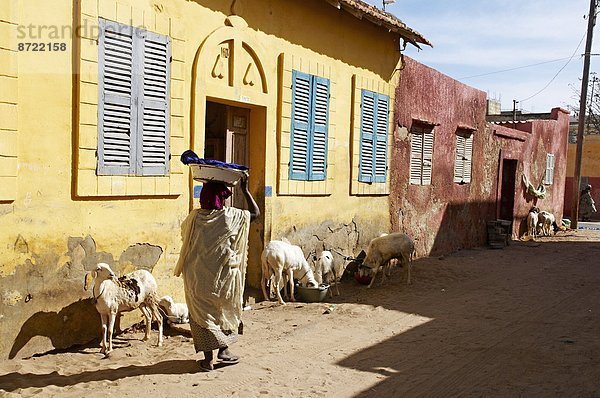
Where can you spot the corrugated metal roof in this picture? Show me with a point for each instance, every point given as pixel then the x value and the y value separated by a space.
pixel 362 10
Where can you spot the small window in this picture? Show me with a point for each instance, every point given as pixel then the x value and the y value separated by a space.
pixel 421 154
pixel 310 115
pixel 373 137
pixel 464 156
pixel 133 107
pixel 549 178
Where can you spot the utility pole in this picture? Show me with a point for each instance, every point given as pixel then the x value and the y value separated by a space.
pixel 582 106
pixel 591 105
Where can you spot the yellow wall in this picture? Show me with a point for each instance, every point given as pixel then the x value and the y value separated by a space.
pixel 57 217
pixel 590 159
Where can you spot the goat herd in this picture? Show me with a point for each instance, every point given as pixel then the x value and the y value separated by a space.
pixel 540 223
pixel 280 261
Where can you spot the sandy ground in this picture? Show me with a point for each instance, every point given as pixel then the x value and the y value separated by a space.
pixel 523 321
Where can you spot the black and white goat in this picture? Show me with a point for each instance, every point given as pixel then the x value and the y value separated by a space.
pixel 113 295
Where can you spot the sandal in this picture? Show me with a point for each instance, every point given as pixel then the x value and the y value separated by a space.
pixel 229 360
pixel 204 368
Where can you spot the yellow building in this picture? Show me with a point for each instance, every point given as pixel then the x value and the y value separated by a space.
pixel 99 98
pixel 590 170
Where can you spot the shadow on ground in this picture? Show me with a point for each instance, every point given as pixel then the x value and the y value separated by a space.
pixel 15 380
pixel 515 322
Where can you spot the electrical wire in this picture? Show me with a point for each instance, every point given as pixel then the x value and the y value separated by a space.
pixel 557 73
pixel 515 68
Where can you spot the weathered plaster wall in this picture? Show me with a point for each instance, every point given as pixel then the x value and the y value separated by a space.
pixel 59 217
pixel 533 141
pixel 446 216
pixel 443 216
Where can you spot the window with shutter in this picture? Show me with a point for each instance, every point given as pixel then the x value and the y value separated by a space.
pixel 421 155
pixel 549 177
pixel 133 107
pixel 464 154
pixel 310 121
pixel 373 137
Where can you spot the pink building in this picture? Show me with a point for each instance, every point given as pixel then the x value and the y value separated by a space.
pixel 452 171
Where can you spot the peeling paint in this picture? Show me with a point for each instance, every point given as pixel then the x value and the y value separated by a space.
pixel 141 255
pixel 11 298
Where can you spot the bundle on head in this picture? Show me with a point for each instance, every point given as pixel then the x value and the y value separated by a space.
pixel 113 295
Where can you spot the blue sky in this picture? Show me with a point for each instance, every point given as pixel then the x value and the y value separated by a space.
pixel 475 37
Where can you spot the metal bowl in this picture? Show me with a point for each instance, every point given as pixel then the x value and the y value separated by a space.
pixel 312 294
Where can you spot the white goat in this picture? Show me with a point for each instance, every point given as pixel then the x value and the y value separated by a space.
pixel 111 296
pixel 385 248
pixel 532 222
pixel 546 221
pixel 280 256
pixel 328 271
pixel 175 312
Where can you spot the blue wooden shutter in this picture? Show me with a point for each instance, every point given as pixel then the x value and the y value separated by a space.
pixel 301 119
pixel 320 113
pixel 367 136
pixel 381 136
pixel 117 119
pixel 153 126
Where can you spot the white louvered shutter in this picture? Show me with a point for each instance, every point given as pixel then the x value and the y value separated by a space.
pixel 459 159
pixel 549 177
pixel 301 117
pixel 367 130
pixel 381 138
pixel 416 156
pixel 427 158
pixel 318 158
pixel 468 163
pixel 117 119
pixel 154 106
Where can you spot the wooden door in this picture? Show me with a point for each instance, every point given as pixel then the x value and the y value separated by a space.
pixel 507 193
pixel 236 145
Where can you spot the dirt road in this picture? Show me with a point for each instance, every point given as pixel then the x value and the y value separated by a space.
pixel 523 321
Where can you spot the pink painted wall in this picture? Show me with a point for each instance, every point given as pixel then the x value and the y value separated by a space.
pixel 445 216
pixel 539 137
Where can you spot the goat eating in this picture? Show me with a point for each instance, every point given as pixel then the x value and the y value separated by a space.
pixel 385 248
pixel 278 257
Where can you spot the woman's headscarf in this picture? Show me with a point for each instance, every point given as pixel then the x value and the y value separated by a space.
pixel 213 195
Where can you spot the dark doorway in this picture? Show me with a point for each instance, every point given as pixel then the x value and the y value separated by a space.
pixel 226 139
pixel 507 193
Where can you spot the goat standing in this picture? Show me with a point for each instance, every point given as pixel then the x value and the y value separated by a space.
pixel 278 257
pixel 387 247
pixel 112 296
pixel 328 271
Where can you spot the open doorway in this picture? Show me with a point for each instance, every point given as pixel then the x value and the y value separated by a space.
pixel 508 188
pixel 226 135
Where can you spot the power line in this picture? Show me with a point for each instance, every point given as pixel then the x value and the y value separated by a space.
pixel 560 70
pixel 515 68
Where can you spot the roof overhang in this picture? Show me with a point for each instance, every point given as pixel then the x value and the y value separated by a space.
pixel 362 10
